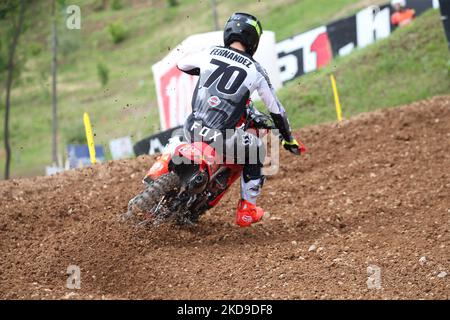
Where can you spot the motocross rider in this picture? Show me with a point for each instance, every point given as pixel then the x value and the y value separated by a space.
pixel 228 76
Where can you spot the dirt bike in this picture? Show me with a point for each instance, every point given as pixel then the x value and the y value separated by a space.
pixel 183 190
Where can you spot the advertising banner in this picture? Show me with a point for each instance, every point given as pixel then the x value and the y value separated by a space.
pixel 78 155
pixel 155 143
pixel 314 49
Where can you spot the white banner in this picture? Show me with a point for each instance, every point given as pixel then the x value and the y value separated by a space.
pixel 121 148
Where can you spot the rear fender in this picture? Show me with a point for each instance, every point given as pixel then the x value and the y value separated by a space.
pixel 159 168
pixel 198 153
pixel 162 163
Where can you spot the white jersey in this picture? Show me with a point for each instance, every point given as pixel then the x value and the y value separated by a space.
pixel 227 78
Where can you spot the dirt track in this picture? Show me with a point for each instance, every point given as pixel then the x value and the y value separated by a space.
pixel 372 191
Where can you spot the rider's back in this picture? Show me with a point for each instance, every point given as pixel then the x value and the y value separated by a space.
pixel 227 78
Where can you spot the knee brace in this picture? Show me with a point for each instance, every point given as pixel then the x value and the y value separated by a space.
pixel 252 181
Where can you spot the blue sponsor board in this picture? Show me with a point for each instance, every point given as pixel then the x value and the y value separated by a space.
pixel 78 155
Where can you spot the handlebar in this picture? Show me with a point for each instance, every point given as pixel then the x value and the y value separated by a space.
pixel 257 119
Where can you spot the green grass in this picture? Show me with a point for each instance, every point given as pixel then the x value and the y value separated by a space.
pixel 410 65
pixel 127 104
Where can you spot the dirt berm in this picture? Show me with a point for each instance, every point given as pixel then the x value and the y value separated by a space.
pixel 372 191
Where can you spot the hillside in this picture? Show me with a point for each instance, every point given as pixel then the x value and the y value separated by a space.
pixel 371 191
pixel 127 105
pixel 412 64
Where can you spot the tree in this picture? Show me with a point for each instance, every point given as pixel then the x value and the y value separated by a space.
pixel 54 87
pixel 214 12
pixel 17 19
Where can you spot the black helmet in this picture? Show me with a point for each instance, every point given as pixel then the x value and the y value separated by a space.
pixel 245 28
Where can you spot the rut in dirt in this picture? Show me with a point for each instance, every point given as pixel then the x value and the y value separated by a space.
pixel 372 191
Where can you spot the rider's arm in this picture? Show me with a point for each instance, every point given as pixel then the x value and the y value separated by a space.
pixel 190 64
pixel 276 109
